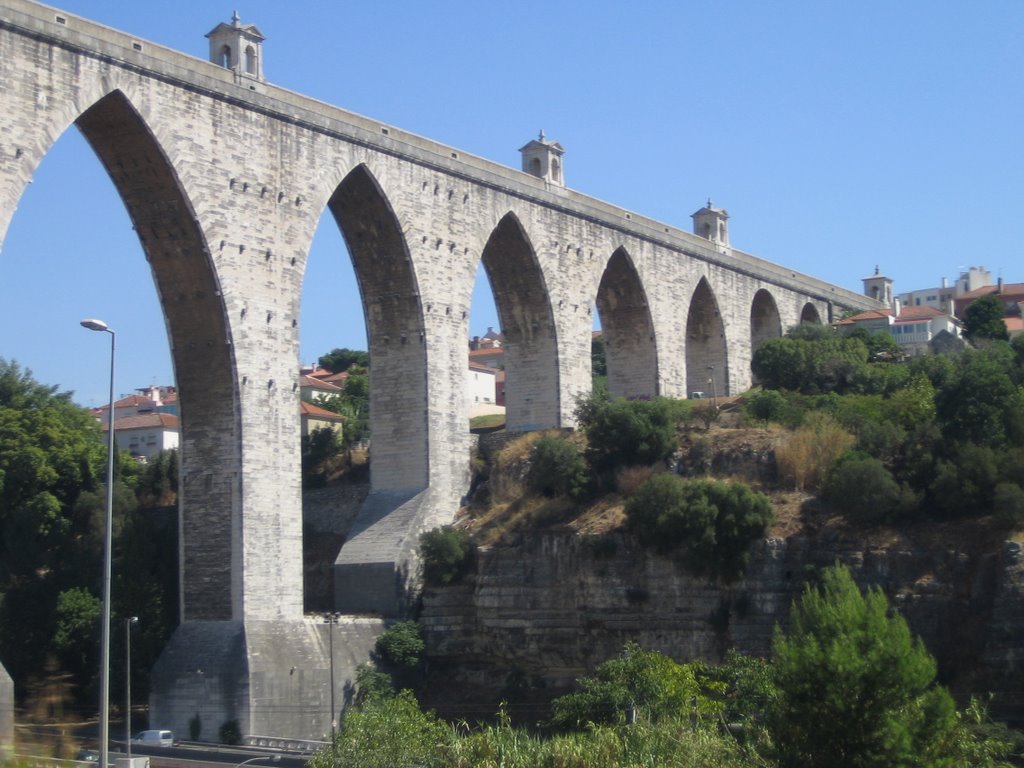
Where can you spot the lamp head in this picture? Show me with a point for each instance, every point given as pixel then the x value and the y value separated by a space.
pixel 94 325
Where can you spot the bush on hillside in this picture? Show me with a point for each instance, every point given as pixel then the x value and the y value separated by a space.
pixel 401 645
pixel 863 489
pixel 630 432
pixel 557 468
pixel 447 554
pixel 647 682
pixel 709 525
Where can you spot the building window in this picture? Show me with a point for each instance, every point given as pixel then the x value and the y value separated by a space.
pixel 225 57
pixel 250 60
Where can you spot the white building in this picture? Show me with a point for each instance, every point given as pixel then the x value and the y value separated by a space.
pixel 144 435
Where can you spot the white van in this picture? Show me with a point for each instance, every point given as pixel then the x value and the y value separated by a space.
pixel 154 738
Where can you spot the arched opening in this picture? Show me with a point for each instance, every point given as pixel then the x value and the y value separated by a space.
pixel 250 60
pixel 706 356
pixel 335 465
pixel 528 328
pixel 165 309
pixel 200 344
pixel 225 57
pixel 556 170
pixel 394 332
pixel 809 314
pixel 765 323
pixel 535 167
pixel 485 391
pixel 630 350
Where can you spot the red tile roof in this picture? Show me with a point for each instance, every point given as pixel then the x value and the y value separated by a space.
pixel 308 409
pixel 871 314
pixel 481 367
pixel 322 386
pixel 919 313
pixel 145 421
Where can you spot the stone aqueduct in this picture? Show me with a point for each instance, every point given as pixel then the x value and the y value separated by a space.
pixel 225 178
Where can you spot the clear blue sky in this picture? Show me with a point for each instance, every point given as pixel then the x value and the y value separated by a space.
pixel 838 135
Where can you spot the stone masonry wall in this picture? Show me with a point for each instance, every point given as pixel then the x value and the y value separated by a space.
pixel 542 613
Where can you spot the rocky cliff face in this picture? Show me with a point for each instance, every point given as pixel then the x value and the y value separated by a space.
pixel 544 610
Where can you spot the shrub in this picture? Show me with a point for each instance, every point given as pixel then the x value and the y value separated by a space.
pixel 372 684
pixel 389 732
pixel 401 645
pixel 807 454
pixel 1009 503
pixel 557 468
pixel 447 554
pixel 631 432
pixel 710 524
pixel 229 733
pixel 646 681
pixel 863 489
pixel 766 405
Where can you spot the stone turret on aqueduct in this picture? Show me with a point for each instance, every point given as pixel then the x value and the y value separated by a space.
pixel 225 177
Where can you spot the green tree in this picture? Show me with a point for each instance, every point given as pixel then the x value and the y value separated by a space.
pixel 447 554
pixel 77 633
pixel 341 359
pixel 983 319
pixel 710 525
pixel 863 489
pixel 650 683
pixel 386 732
pixel 401 645
pixel 51 452
pixel 854 688
pixel 630 432
pixel 557 468
pixel 980 400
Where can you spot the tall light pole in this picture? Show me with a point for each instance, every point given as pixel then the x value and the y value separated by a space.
pixel 99 325
pixel 714 394
pixel 332 619
pixel 128 623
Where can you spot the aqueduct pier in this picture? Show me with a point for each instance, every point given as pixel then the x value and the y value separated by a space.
pixel 225 178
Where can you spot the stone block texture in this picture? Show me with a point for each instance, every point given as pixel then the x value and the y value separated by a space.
pixel 226 179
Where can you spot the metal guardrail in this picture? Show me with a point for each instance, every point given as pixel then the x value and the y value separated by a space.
pixel 284 744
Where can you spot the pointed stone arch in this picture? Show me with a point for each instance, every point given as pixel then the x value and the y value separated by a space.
pixel 200 341
pixel 630 348
pixel 810 314
pixel 706 352
pixel 394 331
pixel 765 322
pixel 528 327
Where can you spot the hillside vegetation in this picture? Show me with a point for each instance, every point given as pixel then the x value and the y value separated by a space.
pixel 839 427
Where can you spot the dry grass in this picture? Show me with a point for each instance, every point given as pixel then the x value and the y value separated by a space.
pixel 804 458
pixel 628 479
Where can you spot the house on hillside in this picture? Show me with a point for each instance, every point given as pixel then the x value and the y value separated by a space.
pixel 1011 295
pixel 314 417
pixel 912 327
pixel 144 435
pixel 314 390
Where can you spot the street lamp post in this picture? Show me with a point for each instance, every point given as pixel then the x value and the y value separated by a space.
pixel 332 619
pixel 99 325
pixel 128 623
